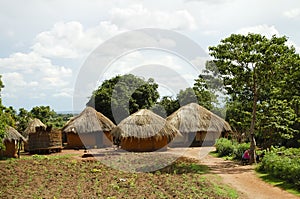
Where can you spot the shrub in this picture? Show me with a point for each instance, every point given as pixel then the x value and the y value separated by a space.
pixel 224 147
pixel 227 147
pixel 283 163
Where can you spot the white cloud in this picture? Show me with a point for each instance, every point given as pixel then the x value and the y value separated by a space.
pixel 137 16
pixel 264 29
pixel 267 31
pixel 65 93
pixel 293 13
pixel 71 40
pixel 30 75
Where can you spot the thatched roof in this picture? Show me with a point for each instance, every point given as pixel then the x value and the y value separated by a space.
pixel 12 134
pixel 194 118
pixel 88 121
pixel 31 128
pixel 144 124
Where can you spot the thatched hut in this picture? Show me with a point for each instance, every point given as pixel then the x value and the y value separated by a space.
pixel 144 131
pixel 11 140
pixel 89 129
pixel 33 126
pixel 197 125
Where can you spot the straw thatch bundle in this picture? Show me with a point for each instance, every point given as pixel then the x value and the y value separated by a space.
pixel 88 121
pixel 12 134
pixel 33 126
pixel 144 124
pixel 195 118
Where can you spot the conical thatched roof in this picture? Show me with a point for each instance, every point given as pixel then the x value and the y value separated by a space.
pixel 144 124
pixel 194 118
pixel 31 128
pixel 89 120
pixel 12 134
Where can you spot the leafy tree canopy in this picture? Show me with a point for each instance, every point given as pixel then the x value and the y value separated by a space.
pixel 123 95
pixel 253 69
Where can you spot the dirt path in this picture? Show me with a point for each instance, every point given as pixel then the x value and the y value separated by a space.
pixel 242 178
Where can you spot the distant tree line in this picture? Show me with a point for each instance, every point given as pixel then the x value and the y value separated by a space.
pixel 19 120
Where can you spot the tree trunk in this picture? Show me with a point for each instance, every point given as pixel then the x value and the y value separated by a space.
pixel 252 127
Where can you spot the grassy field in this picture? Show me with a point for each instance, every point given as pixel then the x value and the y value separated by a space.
pixel 66 177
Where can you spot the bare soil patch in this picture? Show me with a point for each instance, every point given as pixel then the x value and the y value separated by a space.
pixel 67 175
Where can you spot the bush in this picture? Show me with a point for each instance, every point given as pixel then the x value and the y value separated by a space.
pixel 227 147
pixel 224 147
pixel 283 163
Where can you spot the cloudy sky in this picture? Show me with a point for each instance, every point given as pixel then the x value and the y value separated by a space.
pixel 44 44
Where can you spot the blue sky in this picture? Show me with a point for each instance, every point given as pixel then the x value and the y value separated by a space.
pixel 44 44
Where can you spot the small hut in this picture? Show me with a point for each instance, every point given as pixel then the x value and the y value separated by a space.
pixel 144 131
pixel 33 126
pixel 197 125
pixel 42 139
pixel 89 129
pixel 11 140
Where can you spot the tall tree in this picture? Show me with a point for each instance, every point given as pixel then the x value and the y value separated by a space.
pixel 124 95
pixel 251 66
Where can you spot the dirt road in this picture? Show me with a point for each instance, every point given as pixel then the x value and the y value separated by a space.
pixel 242 178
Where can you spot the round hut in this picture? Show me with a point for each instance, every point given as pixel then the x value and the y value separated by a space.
pixel 198 125
pixel 12 139
pixel 144 131
pixel 89 129
pixel 33 126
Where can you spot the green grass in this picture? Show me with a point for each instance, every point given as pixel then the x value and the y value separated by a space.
pixel 47 157
pixel 291 188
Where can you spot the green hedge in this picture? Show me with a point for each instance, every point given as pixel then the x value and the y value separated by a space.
pixel 283 163
pixel 230 148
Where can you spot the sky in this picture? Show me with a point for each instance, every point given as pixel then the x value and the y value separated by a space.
pixel 45 45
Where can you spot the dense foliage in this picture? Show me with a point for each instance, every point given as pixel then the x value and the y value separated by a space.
pixel 225 147
pixel 261 77
pixel 123 95
pixel 283 163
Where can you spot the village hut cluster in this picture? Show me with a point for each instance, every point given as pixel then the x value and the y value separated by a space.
pixel 143 131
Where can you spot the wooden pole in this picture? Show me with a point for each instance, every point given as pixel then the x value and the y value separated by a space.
pixel 19 147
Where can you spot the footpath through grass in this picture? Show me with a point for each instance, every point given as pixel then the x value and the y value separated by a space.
pixel 66 177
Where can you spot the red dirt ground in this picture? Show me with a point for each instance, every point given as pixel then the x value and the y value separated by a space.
pixel 242 178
